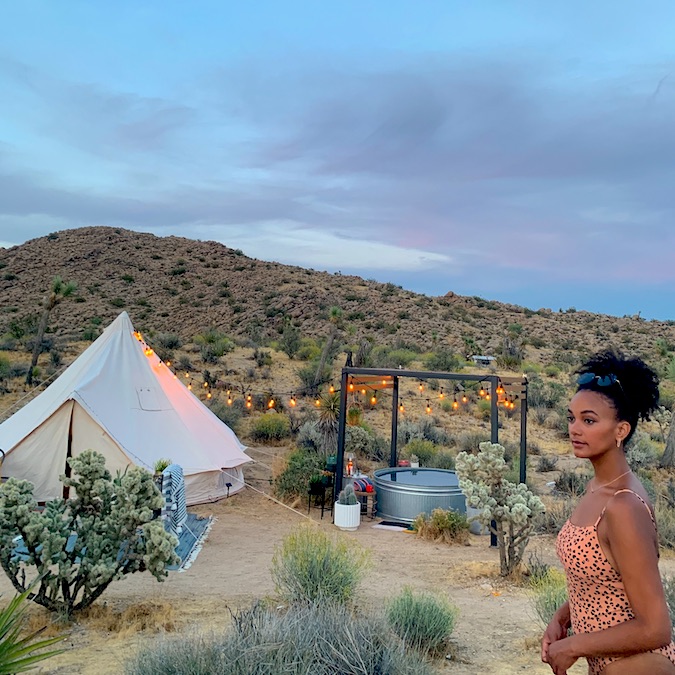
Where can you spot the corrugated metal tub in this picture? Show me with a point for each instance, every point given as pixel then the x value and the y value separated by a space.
pixel 404 493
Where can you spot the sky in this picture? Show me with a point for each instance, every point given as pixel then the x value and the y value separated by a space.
pixel 522 151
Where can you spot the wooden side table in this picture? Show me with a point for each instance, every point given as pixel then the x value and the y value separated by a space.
pixel 371 501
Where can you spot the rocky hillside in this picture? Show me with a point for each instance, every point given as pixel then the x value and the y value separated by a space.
pixel 184 286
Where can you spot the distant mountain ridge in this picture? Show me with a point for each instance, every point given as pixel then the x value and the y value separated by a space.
pixel 179 285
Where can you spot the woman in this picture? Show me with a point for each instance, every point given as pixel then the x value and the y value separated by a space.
pixel 609 546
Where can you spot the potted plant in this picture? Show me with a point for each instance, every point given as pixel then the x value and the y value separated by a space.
pixel 347 513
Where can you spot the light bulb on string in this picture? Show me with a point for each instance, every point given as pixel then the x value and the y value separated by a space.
pixel 189 387
pixel 481 393
pixel 208 395
pixel 455 404
pixel 168 364
pixel 206 385
pixel 465 398
pixel 292 402
pixel 421 387
pixel 441 395
pixel 331 389
pixel 363 391
pixel 428 407
pixel 271 403
pixel 373 399
pixel 400 405
pixel 351 385
pixel 229 400
pixel 317 401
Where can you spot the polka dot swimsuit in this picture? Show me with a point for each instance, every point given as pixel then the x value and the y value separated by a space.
pixel 596 592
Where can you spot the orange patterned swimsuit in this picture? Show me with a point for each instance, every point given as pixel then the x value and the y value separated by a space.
pixel 597 596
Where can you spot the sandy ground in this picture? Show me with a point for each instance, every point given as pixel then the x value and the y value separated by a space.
pixel 497 631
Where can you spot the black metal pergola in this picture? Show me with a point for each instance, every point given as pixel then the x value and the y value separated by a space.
pixel 388 378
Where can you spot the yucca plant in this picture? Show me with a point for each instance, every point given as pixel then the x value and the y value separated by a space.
pixel 17 654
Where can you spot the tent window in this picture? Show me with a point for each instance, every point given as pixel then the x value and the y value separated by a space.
pixel 148 399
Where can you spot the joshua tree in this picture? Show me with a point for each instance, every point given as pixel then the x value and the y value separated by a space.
pixel 335 319
pixel 329 412
pixel 58 291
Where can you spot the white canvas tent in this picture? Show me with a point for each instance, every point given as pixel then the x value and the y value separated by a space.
pixel 120 399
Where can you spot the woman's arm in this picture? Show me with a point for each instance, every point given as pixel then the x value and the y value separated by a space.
pixel 633 546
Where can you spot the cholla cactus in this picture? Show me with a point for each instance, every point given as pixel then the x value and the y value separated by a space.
pixel 506 508
pixel 113 527
pixel 347 495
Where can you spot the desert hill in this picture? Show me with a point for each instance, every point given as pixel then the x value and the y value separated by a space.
pixel 184 286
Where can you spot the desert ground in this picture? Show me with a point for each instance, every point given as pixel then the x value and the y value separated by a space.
pixel 497 630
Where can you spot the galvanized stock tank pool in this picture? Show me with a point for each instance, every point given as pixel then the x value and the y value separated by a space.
pixel 403 493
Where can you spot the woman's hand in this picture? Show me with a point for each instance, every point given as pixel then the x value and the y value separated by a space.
pixel 555 631
pixel 561 656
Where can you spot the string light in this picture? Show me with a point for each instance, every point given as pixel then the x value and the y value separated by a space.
pixel 363 391
pixel 317 401
pixel 229 400
pixel 428 407
pixel 331 389
pixel 481 393
pixel 351 385
pixel 190 387
pixel 373 399
pixel 464 398
pixel 292 401
pixel 442 394
pixel 421 387
pixel 270 403
pixel 400 405
pixel 206 384
pixel 208 395
pixel 455 404
pixel 168 364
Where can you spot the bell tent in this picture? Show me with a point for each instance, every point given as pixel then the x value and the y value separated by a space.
pixel 120 399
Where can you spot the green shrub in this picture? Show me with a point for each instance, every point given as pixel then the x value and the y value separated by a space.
pixel 548 593
pixel 426 451
pixel 444 525
pixel 443 361
pixel 444 459
pixel 271 427
pixel 229 414
pixel 665 521
pixel 322 639
pixel 557 512
pixel 669 590
pixel 571 483
pixel 301 465
pixel 547 463
pixel 641 452
pixel 423 621
pixel 357 441
pixel 311 566
pixel 309 350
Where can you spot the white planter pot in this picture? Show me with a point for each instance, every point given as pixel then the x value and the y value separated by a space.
pixel 347 516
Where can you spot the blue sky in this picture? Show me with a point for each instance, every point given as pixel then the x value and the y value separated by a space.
pixel 520 151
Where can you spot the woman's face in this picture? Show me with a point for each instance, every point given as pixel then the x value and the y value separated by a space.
pixel 593 425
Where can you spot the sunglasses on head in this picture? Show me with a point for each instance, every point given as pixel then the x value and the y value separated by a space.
pixel 601 380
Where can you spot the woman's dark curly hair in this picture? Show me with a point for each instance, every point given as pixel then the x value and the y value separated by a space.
pixel 634 395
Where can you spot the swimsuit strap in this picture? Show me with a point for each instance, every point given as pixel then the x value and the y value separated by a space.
pixel 651 515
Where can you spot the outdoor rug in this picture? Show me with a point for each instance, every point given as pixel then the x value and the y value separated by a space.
pixel 191 539
pixel 190 542
pixel 391 525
